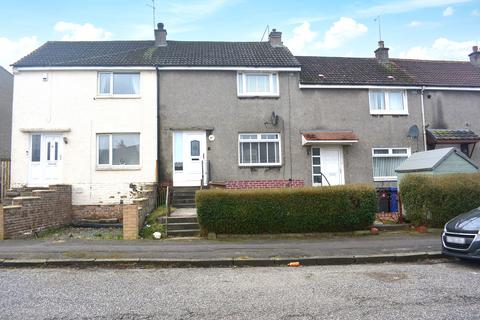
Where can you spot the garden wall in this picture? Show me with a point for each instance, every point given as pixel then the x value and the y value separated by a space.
pixel 43 209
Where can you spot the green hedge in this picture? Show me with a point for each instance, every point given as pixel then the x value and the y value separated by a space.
pixel 323 209
pixel 433 200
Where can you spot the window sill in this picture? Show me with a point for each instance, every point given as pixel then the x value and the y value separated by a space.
pixel 258 95
pixel 388 113
pixel 118 168
pixel 118 97
pixel 260 165
pixel 384 179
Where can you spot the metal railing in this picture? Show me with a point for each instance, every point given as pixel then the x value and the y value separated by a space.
pixel 4 178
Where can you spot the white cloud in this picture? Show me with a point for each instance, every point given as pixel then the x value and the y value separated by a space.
pixel 81 32
pixel 302 36
pixel 415 24
pixel 13 50
pixel 448 12
pixel 402 6
pixel 340 32
pixel 441 48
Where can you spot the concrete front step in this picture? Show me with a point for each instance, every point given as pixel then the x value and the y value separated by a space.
pixel 183 226
pixel 184 233
pixel 192 219
pixel 184 205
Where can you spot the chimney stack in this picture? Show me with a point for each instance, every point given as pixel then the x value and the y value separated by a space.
pixel 160 36
pixel 475 56
pixel 275 38
pixel 381 54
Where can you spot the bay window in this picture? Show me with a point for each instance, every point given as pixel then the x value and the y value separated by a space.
pixel 259 149
pixel 386 160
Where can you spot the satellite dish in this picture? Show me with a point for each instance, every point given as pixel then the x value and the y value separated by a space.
pixel 274 118
pixel 413 132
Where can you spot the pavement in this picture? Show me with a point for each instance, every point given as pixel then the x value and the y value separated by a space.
pixel 426 290
pixel 209 253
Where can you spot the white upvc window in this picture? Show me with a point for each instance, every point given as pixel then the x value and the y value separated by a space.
pixel 251 84
pixel 386 160
pixel 259 149
pixel 118 84
pixel 118 149
pixel 388 102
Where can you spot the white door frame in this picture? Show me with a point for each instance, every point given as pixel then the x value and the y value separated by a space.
pixel 341 166
pixel 49 169
pixel 182 177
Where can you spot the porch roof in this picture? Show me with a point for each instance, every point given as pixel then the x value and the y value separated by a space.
pixel 451 136
pixel 329 137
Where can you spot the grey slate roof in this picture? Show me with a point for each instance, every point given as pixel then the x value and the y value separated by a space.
pixel 367 71
pixel 145 53
pixel 429 160
pixel 452 136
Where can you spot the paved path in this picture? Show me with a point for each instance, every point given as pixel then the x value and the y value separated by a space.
pixel 207 249
pixel 383 291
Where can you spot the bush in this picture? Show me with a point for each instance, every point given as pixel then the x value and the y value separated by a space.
pixel 152 224
pixel 433 200
pixel 323 209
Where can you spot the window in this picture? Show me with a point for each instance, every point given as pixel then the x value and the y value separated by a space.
pixel 388 102
pixel 257 84
pixel 118 83
pixel 36 142
pixel 178 151
pixel 386 160
pixel 316 167
pixel 118 149
pixel 259 149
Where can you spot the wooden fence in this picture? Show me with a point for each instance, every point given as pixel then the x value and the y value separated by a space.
pixel 4 178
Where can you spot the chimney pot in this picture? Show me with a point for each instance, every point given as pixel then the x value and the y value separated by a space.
pixel 275 38
pixel 160 35
pixel 475 56
pixel 381 54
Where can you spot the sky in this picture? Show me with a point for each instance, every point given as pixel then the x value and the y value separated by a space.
pixel 420 29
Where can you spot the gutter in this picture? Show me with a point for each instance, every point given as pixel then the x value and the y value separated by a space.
pixel 399 87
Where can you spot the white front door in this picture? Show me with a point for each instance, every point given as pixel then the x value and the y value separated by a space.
pixel 327 166
pixel 45 160
pixel 189 158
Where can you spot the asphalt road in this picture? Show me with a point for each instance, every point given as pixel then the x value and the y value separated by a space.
pixel 434 290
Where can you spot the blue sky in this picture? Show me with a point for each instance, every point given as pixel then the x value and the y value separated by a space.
pixel 427 29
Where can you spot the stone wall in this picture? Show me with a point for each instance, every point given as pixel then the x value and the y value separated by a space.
pixel 43 209
pixel 145 196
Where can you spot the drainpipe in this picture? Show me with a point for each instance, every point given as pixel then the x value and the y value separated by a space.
pixel 424 129
pixel 158 126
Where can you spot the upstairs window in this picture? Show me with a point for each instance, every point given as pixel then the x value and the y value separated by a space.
pixel 386 160
pixel 257 84
pixel 388 102
pixel 118 83
pixel 259 149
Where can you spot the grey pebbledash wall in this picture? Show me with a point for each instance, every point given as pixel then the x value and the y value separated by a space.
pixel 454 110
pixel 207 100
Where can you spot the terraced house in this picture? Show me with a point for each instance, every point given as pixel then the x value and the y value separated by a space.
pixel 109 116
